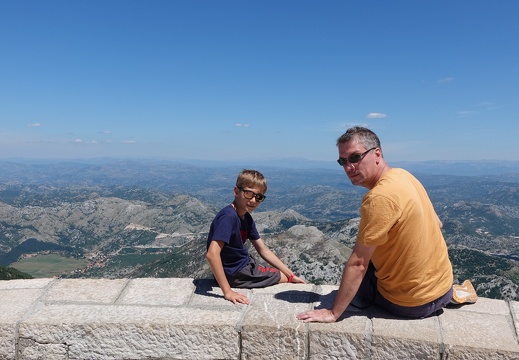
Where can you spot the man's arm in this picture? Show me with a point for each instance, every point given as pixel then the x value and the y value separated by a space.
pixel 352 276
pixel 215 261
pixel 267 255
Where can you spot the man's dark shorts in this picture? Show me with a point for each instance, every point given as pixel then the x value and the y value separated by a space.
pixel 368 295
pixel 255 275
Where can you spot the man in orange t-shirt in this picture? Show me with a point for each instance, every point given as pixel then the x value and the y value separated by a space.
pixel 400 260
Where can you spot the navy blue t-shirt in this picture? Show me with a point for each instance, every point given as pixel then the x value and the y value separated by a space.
pixel 234 232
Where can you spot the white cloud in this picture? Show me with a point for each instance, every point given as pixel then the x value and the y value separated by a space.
pixel 105 132
pixel 488 105
pixel 375 115
pixel 242 125
pixel 129 142
pixel 34 125
pixel 93 142
pixel 466 113
pixel 445 80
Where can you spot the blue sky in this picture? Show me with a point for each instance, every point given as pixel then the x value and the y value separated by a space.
pixel 259 80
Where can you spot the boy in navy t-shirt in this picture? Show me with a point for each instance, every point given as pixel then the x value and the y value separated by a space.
pixel 229 259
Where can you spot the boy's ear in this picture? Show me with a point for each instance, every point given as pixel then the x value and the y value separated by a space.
pixel 236 191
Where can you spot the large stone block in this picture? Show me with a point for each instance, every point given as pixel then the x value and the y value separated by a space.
pixel 157 292
pixel 478 336
pixel 93 291
pixel 15 303
pixel 346 339
pixel 130 332
pixel 270 328
pixel 395 339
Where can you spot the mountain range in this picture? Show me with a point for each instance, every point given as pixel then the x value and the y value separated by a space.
pixel 136 218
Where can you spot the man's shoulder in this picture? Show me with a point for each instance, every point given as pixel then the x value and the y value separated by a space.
pixel 395 177
pixel 394 183
pixel 398 172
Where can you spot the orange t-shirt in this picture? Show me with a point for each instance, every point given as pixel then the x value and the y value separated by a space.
pixel 411 259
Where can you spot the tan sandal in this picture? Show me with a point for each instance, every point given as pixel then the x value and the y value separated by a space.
pixel 464 293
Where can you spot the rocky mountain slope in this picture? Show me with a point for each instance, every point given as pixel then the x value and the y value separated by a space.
pixel 133 224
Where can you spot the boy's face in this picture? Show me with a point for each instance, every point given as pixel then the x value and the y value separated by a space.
pixel 246 198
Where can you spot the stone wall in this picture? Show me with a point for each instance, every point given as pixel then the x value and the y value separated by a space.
pixel 187 319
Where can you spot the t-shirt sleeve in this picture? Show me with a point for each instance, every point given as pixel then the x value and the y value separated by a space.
pixel 223 226
pixel 253 232
pixel 378 216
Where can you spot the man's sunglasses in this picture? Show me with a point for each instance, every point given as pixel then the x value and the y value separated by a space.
pixel 353 159
pixel 251 194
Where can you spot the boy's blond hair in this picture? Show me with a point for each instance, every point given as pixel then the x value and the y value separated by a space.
pixel 251 178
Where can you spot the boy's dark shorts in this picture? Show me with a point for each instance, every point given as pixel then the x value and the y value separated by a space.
pixel 255 275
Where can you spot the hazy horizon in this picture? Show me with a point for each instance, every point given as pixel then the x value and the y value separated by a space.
pixel 438 167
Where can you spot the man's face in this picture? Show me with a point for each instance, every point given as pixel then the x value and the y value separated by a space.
pixel 363 172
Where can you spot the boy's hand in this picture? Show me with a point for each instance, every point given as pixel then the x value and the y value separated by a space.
pixel 236 297
pixel 297 280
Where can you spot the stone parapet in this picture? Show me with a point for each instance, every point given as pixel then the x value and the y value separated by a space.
pixel 189 319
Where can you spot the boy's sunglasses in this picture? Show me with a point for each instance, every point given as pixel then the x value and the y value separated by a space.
pixel 353 159
pixel 251 194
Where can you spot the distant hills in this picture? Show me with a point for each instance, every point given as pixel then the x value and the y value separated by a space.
pixel 462 168
pixel 150 218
